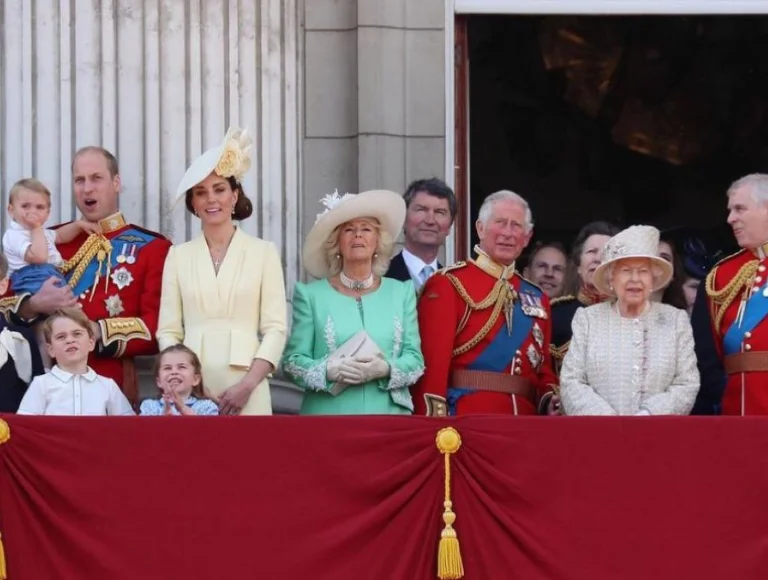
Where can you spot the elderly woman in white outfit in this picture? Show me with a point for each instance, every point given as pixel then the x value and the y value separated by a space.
pixel 629 355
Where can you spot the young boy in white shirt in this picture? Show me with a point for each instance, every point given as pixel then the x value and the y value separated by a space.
pixel 72 387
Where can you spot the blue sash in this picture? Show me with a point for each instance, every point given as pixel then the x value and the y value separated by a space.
pixel 129 237
pixel 755 310
pixel 501 351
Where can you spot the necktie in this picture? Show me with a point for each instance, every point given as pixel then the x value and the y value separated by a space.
pixel 424 275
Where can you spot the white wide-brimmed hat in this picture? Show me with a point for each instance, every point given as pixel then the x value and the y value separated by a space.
pixel 231 158
pixel 387 207
pixel 633 242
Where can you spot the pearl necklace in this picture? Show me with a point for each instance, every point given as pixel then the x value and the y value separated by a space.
pixel 356 285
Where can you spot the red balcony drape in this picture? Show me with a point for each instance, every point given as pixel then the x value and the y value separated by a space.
pixel 286 498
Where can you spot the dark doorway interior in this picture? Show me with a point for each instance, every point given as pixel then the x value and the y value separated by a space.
pixel 629 119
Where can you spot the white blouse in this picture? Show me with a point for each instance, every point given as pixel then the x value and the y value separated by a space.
pixel 61 393
pixel 622 366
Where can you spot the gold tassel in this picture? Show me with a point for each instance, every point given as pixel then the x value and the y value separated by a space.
pixel 449 564
pixel 5 435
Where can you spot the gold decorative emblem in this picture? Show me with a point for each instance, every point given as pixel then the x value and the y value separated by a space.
pixel 122 278
pixel 5 432
pixel 538 335
pixel 534 357
pixel 114 305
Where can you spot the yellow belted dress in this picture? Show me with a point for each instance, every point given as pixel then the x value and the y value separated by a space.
pixel 230 318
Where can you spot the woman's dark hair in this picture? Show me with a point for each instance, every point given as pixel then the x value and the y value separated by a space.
pixel 198 390
pixel 673 294
pixel 243 206
pixel 573 281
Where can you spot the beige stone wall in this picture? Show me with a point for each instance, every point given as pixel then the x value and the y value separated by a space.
pixel 374 96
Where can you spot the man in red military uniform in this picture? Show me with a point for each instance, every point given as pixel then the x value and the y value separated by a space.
pixel 115 276
pixel 485 330
pixel 737 296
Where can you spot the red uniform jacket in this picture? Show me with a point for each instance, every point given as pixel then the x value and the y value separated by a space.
pixel 737 296
pixel 121 294
pixel 462 327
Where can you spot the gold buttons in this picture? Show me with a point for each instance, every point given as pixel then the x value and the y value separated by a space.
pixel 747 347
pixel 761 268
pixel 748 334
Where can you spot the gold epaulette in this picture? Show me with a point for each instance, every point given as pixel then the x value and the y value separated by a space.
pixel 725 296
pixel 456 266
pixel 8 305
pixel 559 299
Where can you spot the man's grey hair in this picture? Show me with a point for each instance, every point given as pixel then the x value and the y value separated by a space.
pixel 757 184
pixel 486 210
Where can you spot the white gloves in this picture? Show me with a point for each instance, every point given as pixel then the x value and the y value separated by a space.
pixel 356 371
pixel 332 369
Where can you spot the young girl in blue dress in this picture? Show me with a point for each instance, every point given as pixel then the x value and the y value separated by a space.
pixel 179 379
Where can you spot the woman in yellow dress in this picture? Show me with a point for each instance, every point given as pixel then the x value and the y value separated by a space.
pixel 223 293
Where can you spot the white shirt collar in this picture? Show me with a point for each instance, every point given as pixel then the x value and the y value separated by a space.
pixel 65 377
pixel 415 264
pixel 15 226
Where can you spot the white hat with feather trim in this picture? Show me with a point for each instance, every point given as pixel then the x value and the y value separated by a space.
pixel 231 158
pixel 387 207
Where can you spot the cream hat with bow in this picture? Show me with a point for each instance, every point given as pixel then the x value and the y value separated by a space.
pixel 387 207
pixel 231 158
pixel 633 242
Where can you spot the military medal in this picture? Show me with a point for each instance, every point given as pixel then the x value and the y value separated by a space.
pixel 534 357
pixel 122 278
pixel 114 305
pixel 121 258
pixel 538 335
pixel 131 258
pixel 532 306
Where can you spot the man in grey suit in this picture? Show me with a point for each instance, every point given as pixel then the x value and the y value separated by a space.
pixel 431 210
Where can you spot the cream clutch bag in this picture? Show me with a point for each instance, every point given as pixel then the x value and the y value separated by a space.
pixel 360 345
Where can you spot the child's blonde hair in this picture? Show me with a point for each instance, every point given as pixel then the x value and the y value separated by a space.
pixel 198 390
pixel 31 184
pixel 76 315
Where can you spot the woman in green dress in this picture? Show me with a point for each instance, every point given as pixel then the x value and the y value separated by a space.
pixel 354 346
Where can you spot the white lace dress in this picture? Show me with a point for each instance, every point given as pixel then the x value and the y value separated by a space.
pixel 621 366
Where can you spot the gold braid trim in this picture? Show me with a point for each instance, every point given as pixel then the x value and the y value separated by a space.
pixel 558 355
pixel 559 351
pixel 559 299
pixel 499 297
pixel 91 248
pixel 723 298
